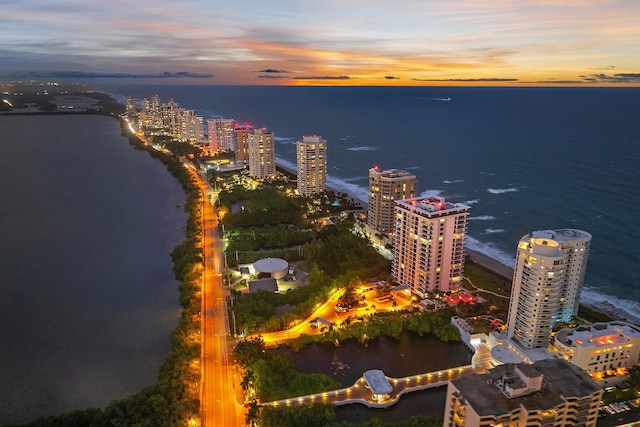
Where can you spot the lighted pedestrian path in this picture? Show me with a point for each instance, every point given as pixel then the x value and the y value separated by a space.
pixel 361 393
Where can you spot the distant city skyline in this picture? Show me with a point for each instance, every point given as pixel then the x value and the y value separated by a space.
pixel 296 42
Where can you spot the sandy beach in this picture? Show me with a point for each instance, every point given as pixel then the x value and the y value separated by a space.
pixel 490 263
pixel 507 272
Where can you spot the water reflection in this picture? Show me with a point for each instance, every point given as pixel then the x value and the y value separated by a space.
pixel 408 355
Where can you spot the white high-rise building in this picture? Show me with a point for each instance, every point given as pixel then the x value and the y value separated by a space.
pixel 261 150
pixel 312 165
pixel 385 187
pixel 221 134
pixel 547 280
pixel 428 245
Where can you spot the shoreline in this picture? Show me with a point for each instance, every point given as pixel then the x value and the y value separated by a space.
pixel 289 169
pixel 606 308
pixel 500 269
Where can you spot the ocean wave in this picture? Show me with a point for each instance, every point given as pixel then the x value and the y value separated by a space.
pixel 338 184
pixel 284 140
pixel 618 307
pixel 345 138
pixel 356 178
pixel 363 148
pixel 481 218
pixel 490 250
pixel 494 230
pixel 356 191
pixel 471 202
pixel 502 190
pixel 430 193
pixel 452 181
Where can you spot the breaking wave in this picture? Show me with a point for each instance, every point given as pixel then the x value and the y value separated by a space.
pixel 502 190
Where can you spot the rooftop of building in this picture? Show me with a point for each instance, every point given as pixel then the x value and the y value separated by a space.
pixel 377 382
pixel 506 350
pixel 598 334
pixel 392 173
pixel 432 204
pixel 561 380
pixel 268 285
pixel 560 235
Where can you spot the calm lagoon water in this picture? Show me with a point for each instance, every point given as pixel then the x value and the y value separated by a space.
pixel 408 355
pixel 88 295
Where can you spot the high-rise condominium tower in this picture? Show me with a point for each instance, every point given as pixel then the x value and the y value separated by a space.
pixel 221 135
pixel 262 158
pixel 312 165
pixel 547 280
pixel 385 187
pixel 242 142
pixel 428 246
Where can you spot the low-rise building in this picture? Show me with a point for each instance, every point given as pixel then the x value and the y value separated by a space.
pixel 600 349
pixel 547 393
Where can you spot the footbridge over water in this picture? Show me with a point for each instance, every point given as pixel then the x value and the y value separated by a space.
pixel 366 390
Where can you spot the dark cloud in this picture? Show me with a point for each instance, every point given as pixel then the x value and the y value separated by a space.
pixel 561 82
pixel 392 78
pixel 323 78
pixel 488 79
pixel 271 76
pixel 273 70
pixel 609 67
pixel 612 78
pixel 94 75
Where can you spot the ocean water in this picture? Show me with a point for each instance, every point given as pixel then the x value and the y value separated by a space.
pixel 88 301
pixel 524 158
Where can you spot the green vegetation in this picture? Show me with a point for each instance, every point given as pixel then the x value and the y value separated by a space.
pixel 268 237
pixel 257 311
pixel 262 206
pixel 335 257
pixel 388 324
pixel 178 148
pixel 317 414
pixel 593 316
pixel 270 375
pixel 341 253
pixel 486 279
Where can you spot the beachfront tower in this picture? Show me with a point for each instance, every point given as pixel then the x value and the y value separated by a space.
pixel 312 165
pixel 385 187
pixel 242 142
pixel 221 134
pixel 428 245
pixel 547 280
pixel 261 149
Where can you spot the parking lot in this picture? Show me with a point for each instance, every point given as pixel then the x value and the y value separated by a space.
pixel 619 413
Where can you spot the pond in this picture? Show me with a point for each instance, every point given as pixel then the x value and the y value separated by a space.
pixel 410 354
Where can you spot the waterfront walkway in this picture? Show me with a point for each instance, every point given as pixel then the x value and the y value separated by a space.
pixel 360 392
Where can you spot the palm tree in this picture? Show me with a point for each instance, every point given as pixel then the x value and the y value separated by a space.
pixel 248 379
pixel 252 417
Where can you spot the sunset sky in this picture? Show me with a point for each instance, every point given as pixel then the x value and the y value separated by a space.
pixel 329 42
